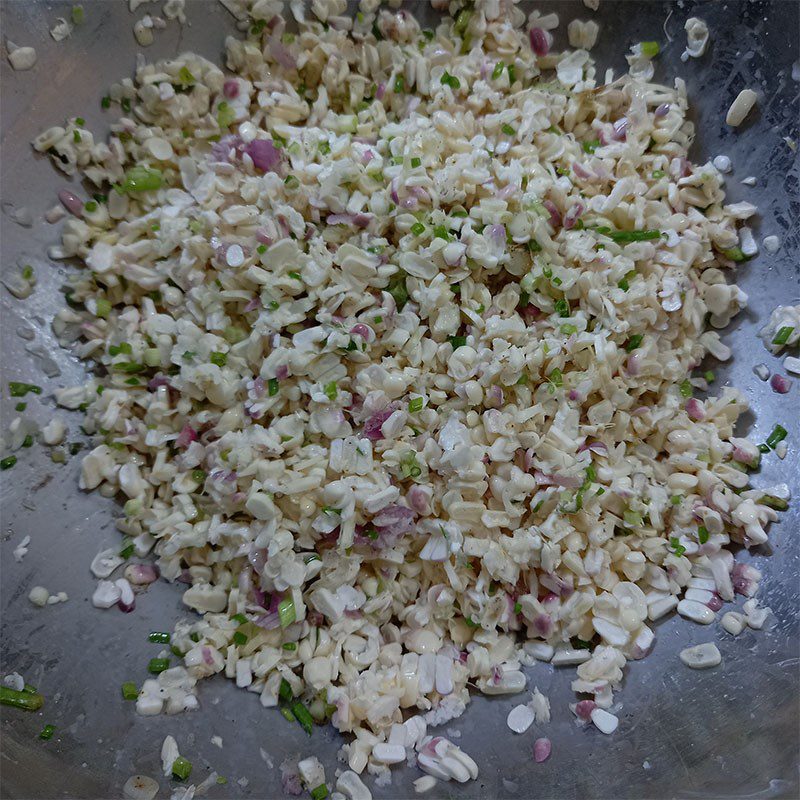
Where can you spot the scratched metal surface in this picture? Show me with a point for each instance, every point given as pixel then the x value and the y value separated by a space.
pixel 729 732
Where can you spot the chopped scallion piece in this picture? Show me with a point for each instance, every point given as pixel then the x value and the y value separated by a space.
pixel 220 359
pixel 289 645
pixel 649 49
pixel 181 768
pixel 77 15
pixel 331 390
pixel 457 341
pixel 185 77
pixel 450 80
pixel 291 182
pixel 709 376
pixel 783 334
pixel 47 732
pixel 303 716
pixel 17 389
pixel 286 612
pixel 129 691
pixel 226 116
pixel 7 462
pixel 414 405
pixel 417 229
pixel 562 307
pixel 397 289
pixel 507 129
pixel 735 254
pixel 567 329
pixel 591 145
pixel 141 179
pixel 239 638
pixel 702 534
pixel 685 388
pixel 676 546
pixel 399 84
pixel 29 701
pixel 285 692
pixel 320 792
pixel 498 70
pixel 633 342
pixel 157 665
pixel 778 435
pixel 158 637
pixel 272 387
pixel 416 162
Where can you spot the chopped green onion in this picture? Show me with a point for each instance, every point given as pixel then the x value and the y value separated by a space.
pixel 125 105
pixel 498 70
pixel 127 548
pixel 567 329
pixel 399 84
pixel 17 389
pixel 397 289
pixel 649 49
pixel 29 701
pixel 226 116
pixel 77 15
pixel 471 623
pixel 105 102
pixel 702 534
pixel 76 136
pixel 7 462
pixel 685 388
pixel 102 308
pixel 633 519
pixel 181 768
pixel 240 618
pixel 371 533
pixel 239 638
pixel 291 182
pixel 778 435
pixel 417 229
pixel 285 692
pixel 287 715
pixel 157 665
pixel 91 206
pixel 416 162
pixel 414 405
pixel 440 232
pixel 158 637
pixel 457 341
pixel 141 179
pixel 331 390
pixel 450 80
pixel 783 334
pixel 555 379
pixel 633 342
pixel 272 387
pixel 286 612
pixel 20 407
pixel 47 732
pixel 591 145
pixel 220 359
pixel 735 254
pixel 676 499
pixel 676 546
pixel 289 645
pixel 562 307
pixel 633 236
pixel 512 74
pixel 658 173
pixel 130 367
pixel 321 791
pixel 507 130
pixel 709 376
pixel 303 717
pixel 185 77
pixel 409 466
pixel 129 691
pixel 27 441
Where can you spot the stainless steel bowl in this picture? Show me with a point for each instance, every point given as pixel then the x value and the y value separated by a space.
pixel 727 732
